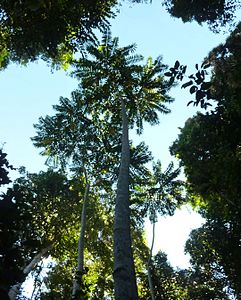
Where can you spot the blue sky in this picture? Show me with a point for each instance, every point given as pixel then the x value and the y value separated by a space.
pixel 26 93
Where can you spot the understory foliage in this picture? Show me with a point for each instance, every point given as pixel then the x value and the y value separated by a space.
pixel 33 218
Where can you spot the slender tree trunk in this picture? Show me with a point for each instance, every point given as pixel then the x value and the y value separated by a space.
pixel 15 289
pixel 80 259
pixel 124 271
pixel 37 283
pixel 149 263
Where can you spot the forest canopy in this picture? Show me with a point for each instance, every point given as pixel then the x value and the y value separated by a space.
pixel 78 228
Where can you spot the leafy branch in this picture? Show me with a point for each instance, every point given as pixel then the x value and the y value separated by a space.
pixel 196 83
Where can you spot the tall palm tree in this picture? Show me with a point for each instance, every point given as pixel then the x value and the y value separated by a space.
pixel 164 194
pixel 123 91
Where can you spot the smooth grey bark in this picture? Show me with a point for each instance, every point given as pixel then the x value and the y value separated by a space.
pixel 15 289
pixel 149 263
pixel 124 271
pixel 80 258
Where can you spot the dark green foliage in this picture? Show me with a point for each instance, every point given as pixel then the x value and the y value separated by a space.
pixel 58 282
pixel 209 149
pixel 33 216
pixel 10 257
pixel 164 279
pixel 214 249
pixel 44 197
pixel 4 167
pixel 215 12
pixel 209 144
pixel 50 29
pixel 198 282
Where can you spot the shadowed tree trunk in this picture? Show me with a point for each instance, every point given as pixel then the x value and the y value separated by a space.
pixel 15 289
pixel 151 287
pixel 80 259
pixel 124 271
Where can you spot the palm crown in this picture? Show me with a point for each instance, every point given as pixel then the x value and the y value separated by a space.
pixel 112 73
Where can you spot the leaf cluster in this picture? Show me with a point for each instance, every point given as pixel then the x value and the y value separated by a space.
pixel 161 194
pixel 33 216
pixel 196 83
pixel 4 167
pixel 49 29
pixel 216 13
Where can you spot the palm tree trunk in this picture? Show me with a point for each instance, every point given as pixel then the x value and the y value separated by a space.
pixel 124 271
pixel 80 259
pixel 149 264
pixel 15 289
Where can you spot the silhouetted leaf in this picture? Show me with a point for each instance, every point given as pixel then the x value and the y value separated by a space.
pixel 187 84
pixel 199 78
pixel 193 89
pixel 180 76
pixel 177 64
pixel 171 80
pixel 200 95
pixel 183 68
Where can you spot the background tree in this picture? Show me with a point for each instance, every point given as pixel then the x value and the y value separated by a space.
pixel 162 195
pixel 165 279
pixel 195 282
pixel 207 247
pixel 166 195
pixel 209 149
pixel 96 279
pixel 35 225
